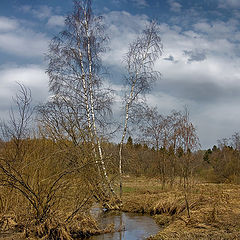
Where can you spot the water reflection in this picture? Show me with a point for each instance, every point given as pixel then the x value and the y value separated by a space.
pixel 135 226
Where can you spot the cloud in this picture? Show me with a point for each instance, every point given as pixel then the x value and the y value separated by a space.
pixel 210 85
pixel 20 41
pixel 41 12
pixel 218 29
pixel 24 43
pixel 140 3
pixel 32 76
pixel 7 24
pixel 174 6
pixel 216 122
pixel 44 12
pixel 56 21
pixel 122 28
pixel 200 92
pixel 229 4
pixel 164 101
pixel 170 58
pixel 195 55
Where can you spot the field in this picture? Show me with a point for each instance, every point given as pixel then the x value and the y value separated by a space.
pixel 214 211
pixel 202 211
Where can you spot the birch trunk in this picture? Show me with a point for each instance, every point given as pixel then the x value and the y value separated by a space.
pixel 123 136
pixel 96 137
pixel 138 62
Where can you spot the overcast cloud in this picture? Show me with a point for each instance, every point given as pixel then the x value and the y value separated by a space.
pixel 200 65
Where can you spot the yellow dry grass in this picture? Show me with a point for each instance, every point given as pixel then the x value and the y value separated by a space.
pixel 214 209
pixel 214 213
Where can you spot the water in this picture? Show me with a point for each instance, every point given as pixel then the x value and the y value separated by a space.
pixel 135 226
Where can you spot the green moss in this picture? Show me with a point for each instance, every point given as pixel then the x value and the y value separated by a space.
pixel 129 189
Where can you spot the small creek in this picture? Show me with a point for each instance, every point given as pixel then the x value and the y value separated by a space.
pixel 135 226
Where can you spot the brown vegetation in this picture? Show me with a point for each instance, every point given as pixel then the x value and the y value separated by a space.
pixel 45 184
pixel 214 208
pixel 53 171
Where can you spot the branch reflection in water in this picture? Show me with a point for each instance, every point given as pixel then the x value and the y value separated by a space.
pixel 134 226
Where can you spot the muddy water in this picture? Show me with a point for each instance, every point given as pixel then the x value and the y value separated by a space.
pixel 134 226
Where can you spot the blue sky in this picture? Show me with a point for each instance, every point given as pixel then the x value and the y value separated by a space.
pixel 200 65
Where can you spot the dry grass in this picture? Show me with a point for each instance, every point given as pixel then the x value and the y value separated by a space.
pixel 82 226
pixel 214 209
pixel 214 214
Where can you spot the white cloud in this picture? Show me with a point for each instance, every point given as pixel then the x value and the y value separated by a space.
pixel 21 41
pixel 7 24
pixel 218 65
pixel 42 12
pixel 56 21
pixel 140 3
pixel 204 73
pixel 203 27
pixel 229 4
pixel 165 102
pixel 209 87
pixel 24 43
pixel 174 6
pixel 122 28
pixel 218 29
pixel 32 76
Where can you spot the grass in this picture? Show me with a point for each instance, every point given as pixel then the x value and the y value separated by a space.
pixel 82 227
pixel 129 189
pixel 214 208
pixel 214 213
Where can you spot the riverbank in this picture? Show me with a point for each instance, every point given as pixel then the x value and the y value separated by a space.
pixel 203 211
pixel 213 210
pixel 82 227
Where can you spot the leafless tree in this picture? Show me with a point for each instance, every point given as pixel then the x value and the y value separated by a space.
pixel 188 136
pixel 185 142
pixel 155 131
pixel 60 121
pixel 75 73
pixel 235 141
pixel 170 136
pixel 16 133
pixel 35 169
pixel 140 59
pixel 151 127
pixel 18 124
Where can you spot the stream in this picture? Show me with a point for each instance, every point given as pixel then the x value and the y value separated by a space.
pixel 134 226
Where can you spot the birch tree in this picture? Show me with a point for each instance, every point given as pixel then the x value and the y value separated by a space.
pixel 139 60
pixel 74 71
pixel 188 138
pixel 170 136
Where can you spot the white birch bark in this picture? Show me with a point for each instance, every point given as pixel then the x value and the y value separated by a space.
pixel 92 110
pixel 124 135
pixel 140 59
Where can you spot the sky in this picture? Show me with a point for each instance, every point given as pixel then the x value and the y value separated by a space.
pixel 200 65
